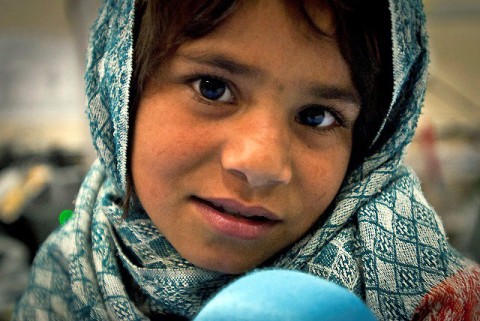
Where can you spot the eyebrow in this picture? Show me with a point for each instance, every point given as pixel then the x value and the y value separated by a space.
pixel 334 93
pixel 223 62
pixel 234 67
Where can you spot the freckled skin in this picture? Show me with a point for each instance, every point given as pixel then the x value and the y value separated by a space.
pixel 252 149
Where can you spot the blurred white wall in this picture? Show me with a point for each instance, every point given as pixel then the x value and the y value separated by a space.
pixel 42 50
pixel 446 150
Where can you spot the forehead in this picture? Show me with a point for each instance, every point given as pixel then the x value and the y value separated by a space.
pixel 307 23
pixel 310 17
pixel 279 36
pixel 310 22
pixel 315 15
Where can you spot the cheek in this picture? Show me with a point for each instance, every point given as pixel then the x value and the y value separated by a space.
pixel 152 152
pixel 168 144
pixel 321 175
pixel 155 152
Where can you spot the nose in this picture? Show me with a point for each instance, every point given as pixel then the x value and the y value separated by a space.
pixel 260 153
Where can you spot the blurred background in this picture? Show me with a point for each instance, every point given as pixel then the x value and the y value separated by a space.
pixel 45 146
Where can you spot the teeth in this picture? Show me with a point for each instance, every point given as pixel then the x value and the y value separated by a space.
pixel 223 209
pixel 229 212
pixel 237 214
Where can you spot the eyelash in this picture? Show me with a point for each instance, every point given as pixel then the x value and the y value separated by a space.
pixel 338 117
pixel 201 98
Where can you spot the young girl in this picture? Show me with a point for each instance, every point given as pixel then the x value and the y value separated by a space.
pixel 242 135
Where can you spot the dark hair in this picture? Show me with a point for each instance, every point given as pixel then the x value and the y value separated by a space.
pixel 364 37
pixel 362 32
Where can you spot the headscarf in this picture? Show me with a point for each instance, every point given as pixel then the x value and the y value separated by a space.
pixel 381 240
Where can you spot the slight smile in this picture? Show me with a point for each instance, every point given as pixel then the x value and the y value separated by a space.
pixel 236 220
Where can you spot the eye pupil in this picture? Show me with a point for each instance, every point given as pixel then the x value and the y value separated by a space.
pixel 212 88
pixel 311 117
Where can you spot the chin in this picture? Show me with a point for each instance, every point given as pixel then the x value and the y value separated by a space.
pixel 226 266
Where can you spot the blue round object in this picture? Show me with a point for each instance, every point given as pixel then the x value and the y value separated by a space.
pixel 284 295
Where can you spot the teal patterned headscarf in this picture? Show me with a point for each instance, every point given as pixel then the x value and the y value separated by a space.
pixel 381 240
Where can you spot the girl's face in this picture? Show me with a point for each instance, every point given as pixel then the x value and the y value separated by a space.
pixel 244 140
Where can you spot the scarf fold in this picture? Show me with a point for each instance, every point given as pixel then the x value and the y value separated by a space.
pixel 390 253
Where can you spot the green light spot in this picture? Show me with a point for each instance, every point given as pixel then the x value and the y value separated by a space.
pixel 65 216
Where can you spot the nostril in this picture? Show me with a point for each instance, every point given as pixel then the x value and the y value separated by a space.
pixel 260 162
pixel 258 177
pixel 238 174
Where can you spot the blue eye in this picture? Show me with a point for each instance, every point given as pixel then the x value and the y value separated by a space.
pixel 213 89
pixel 315 116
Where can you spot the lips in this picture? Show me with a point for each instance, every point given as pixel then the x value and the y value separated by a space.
pixel 234 208
pixel 233 219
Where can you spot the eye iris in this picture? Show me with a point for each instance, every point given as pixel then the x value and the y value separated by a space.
pixel 311 117
pixel 212 88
